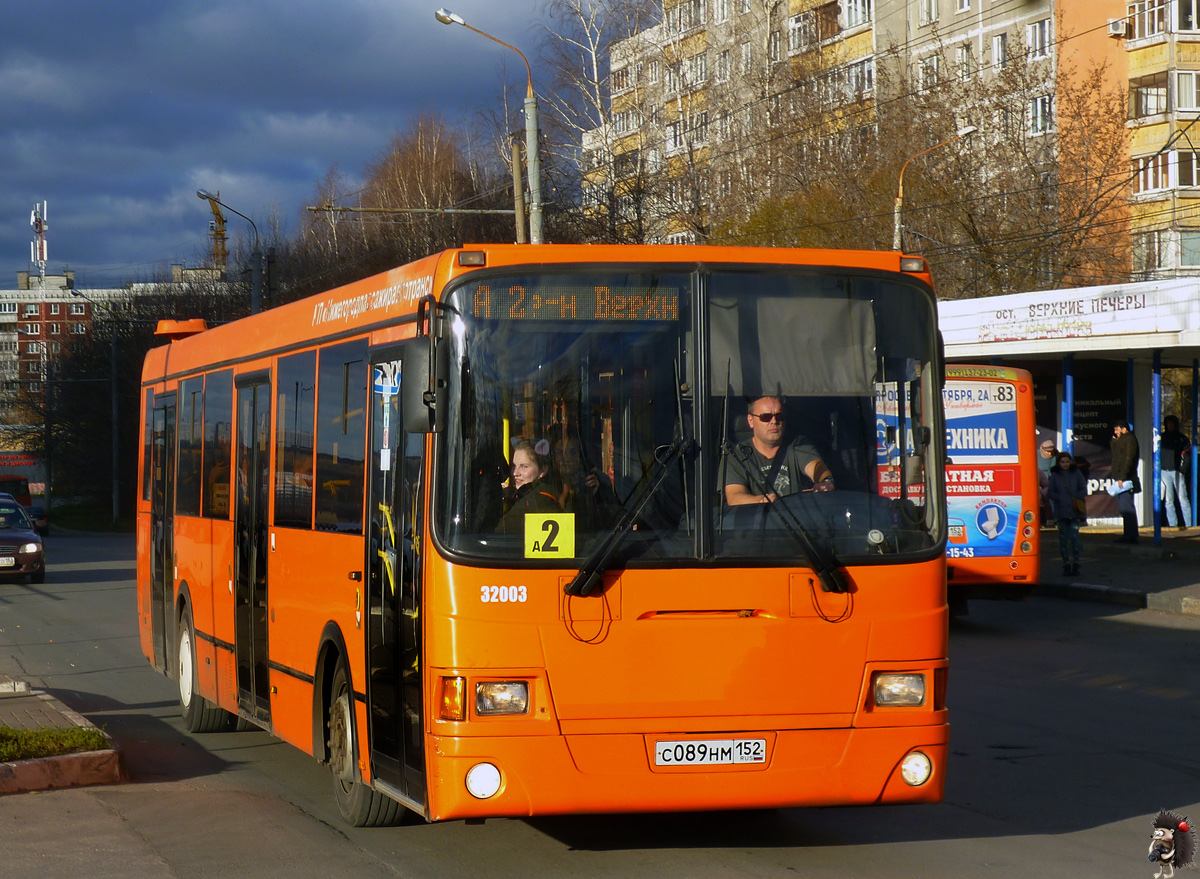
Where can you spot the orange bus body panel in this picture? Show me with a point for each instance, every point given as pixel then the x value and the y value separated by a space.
pixel 144 543
pixel 194 571
pixel 614 773
pixel 773 670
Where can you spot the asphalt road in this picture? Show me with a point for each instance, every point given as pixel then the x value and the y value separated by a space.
pixel 1072 724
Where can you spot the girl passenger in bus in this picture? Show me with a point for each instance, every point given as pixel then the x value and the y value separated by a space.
pixel 529 490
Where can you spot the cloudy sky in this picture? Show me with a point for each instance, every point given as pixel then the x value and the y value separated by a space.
pixel 116 112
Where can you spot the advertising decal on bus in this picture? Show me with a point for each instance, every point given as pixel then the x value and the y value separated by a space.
pixel 981 470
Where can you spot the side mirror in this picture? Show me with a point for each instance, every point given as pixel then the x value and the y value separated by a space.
pixel 424 384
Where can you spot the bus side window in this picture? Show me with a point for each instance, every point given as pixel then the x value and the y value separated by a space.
pixel 295 409
pixel 147 445
pixel 218 442
pixel 188 441
pixel 342 378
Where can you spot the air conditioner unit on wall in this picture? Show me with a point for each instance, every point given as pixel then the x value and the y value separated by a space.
pixel 1117 27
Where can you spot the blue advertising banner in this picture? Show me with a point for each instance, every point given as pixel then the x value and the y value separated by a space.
pixel 981 422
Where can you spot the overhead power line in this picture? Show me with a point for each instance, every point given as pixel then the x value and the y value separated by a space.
pixel 326 209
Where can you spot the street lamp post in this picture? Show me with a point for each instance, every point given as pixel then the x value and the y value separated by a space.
pixel 531 128
pixel 897 210
pixel 256 258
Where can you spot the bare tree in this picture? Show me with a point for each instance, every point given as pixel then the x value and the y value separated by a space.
pixel 597 129
pixel 1035 198
pixel 419 197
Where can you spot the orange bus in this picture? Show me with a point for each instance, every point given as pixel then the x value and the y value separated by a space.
pixel 994 540
pixel 327 546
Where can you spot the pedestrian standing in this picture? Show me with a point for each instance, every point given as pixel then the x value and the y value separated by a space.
pixel 1046 461
pixel 1067 497
pixel 1126 458
pixel 1175 447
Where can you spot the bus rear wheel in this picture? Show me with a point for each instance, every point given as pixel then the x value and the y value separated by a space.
pixel 199 714
pixel 358 804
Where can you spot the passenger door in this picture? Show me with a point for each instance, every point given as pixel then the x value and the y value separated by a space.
pixel 394 505
pixel 250 544
pixel 162 532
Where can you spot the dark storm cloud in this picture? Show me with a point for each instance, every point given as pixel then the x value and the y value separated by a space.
pixel 115 113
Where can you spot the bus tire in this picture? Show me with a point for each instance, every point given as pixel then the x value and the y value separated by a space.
pixel 199 714
pixel 358 804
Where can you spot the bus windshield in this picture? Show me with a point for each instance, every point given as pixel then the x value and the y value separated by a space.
pixel 760 415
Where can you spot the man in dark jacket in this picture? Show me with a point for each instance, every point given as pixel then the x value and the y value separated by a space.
pixel 1125 460
pixel 1174 447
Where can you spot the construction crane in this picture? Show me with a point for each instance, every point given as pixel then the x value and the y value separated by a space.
pixel 217 234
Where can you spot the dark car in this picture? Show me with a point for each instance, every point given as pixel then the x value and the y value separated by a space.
pixel 21 551
pixel 41 521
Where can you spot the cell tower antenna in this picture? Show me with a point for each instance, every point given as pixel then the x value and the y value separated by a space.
pixel 37 249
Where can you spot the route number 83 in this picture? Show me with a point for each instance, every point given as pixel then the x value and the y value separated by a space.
pixel 502 594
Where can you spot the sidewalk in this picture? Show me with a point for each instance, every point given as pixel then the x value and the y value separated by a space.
pixel 25 708
pixel 1164 578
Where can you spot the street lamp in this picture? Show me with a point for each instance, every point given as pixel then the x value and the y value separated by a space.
pixel 256 258
pixel 445 16
pixel 896 211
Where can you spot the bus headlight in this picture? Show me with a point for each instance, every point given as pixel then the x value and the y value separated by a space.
pixel 501 697
pixel 894 689
pixel 483 781
pixel 915 769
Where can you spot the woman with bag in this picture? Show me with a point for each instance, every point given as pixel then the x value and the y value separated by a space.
pixel 1067 496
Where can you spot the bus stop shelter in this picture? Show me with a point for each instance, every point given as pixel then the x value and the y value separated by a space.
pixel 1097 354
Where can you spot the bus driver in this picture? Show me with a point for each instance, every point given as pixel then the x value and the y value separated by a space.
pixel 781 467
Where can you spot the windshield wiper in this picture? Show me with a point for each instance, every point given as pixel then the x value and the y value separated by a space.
pixel 592 571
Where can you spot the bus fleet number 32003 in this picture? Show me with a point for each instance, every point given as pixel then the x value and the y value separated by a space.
pixel 488 594
pixel 692 752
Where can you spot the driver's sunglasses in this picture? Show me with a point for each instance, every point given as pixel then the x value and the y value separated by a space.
pixel 768 417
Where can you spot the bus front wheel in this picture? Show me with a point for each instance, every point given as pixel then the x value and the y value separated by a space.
pixel 199 714
pixel 359 805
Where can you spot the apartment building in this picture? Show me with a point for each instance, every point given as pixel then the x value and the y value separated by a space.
pixel 38 320
pixel 1162 41
pixel 694 100
pixel 706 103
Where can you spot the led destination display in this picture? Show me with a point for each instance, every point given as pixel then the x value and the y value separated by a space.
pixel 574 302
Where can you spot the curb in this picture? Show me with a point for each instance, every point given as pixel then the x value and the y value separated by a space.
pixel 1092 592
pixel 77 769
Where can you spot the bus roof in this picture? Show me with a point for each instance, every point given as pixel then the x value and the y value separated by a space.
pixel 373 301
